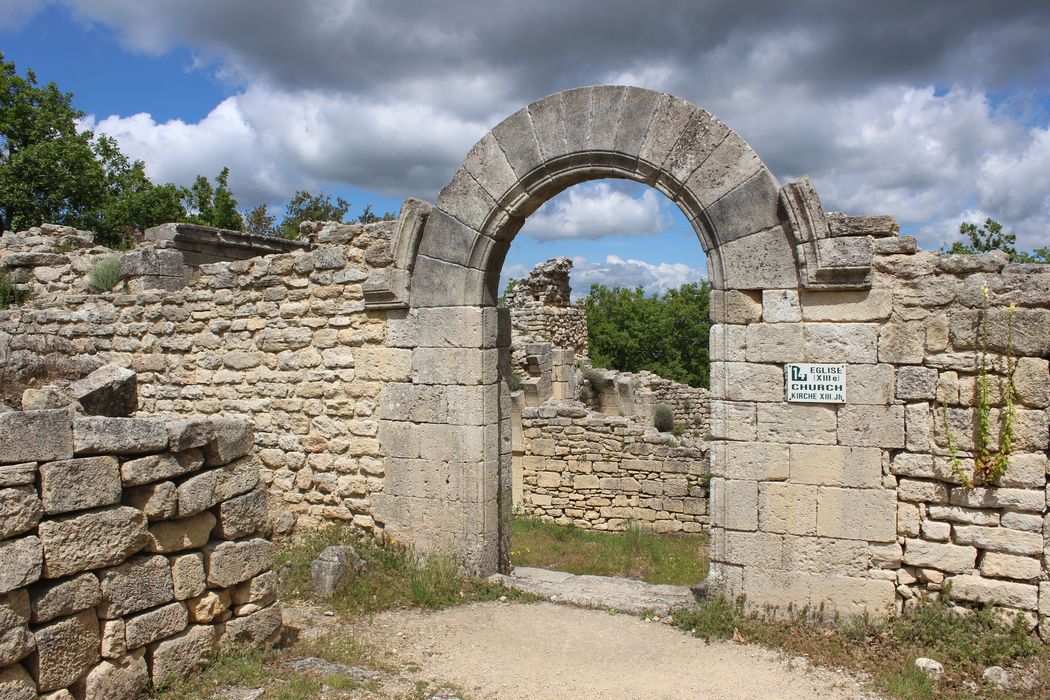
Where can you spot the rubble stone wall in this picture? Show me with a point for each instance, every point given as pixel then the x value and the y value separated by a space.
pixel 604 472
pixel 130 550
pixel 283 340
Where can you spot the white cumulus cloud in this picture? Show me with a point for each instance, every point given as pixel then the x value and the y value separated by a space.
pixel 597 210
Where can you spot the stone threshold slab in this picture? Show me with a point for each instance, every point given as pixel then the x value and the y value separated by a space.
pixel 603 592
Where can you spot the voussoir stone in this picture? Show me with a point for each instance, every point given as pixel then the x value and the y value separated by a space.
pixel 171 536
pixel 51 431
pixel 65 650
pixel 20 562
pixel 145 470
pixel 110 390
pixel 53 599
pixel 230 563
pixel 20 510
pixel 91 540
pixel 121 436
pixel 79 484
pixel 141 583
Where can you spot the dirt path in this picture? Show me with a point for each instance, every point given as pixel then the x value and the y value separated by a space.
pixel 542 650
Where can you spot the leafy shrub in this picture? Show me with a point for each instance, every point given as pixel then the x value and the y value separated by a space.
pixel 104 274
pixel 663 418
pixel 678 430
pixel 10 295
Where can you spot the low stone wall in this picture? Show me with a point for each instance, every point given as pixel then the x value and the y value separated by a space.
pixel 49 260
pixel 130 551
pixel 604 472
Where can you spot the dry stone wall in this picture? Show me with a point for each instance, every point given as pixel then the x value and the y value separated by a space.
pixel 283 340
pixel 131 550
pixel 604 472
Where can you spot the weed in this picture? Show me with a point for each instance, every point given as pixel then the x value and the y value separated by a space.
pixel 514 380
pixel 10 295
pixel 678 430
pixel 104 274
pixel 663 417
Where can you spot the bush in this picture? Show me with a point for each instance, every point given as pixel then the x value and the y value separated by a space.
pixel 678 430
pixel 663 418
pixel 104 274
pixel 514 380
pixel 10 295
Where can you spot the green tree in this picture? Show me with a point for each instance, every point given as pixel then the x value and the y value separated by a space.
pixel 370 217
pixel 307 207
pixel 132 202
pixel 667 334
pixel 259 221
pixel 214 206
pixel 991 236
pixel 48 169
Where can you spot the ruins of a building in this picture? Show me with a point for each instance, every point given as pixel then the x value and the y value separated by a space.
pixel 374 367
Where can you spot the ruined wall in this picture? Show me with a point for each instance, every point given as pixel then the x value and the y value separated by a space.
pixel 541 312
pixel 50 260
pixel 603 472
pixel 283 340
pixel 853 506
pixel 130 550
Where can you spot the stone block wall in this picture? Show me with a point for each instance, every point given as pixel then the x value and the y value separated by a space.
pixel 283 340
pixel 130 550
pixel 605 472
pixel 853 506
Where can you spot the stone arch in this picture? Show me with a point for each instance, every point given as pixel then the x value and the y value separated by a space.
pixel 445 434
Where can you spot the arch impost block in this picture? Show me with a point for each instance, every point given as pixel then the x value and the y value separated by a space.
pixel 388 288
pixel 826 261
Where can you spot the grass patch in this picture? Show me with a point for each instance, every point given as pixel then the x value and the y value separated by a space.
pixel 886 649
pixel 395 577
pixel 674 559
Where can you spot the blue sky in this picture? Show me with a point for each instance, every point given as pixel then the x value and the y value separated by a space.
pixel 935 114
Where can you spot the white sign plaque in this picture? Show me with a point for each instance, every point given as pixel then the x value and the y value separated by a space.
pixel 805 382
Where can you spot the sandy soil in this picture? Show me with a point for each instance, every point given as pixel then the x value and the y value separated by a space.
pixel 542 650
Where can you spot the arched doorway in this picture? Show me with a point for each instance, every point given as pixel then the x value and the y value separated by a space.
pixel 446 438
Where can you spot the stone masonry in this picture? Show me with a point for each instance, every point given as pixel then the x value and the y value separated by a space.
pixel 131 550
pixel 374 369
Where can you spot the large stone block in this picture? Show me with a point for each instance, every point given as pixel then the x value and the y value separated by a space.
pixel 796 423
pixel 242 516
pixel 91 540
pixel 231 438
pixel 53 599
pixel 773 342
pixel 182 654
pixel 35 436
pixel 996 565
pixel 230 563
pixel 843 596
pixel 841 342
pixel 999 539
pixel 148 627
pixel 208 488
pixel 23 474
pixel 261 590
pixel 846 306
pixel 741 505
pixel 79 484
pixel 832 465
pixel 949 558
pixel 827 556
pixel 16 641
pixel 977 589
pixel 916 383
pixel 145 470
pixel 126 677
pixel 261 628
pixel 902 343
pixel 65 650
pixel 158 501
pixel 732 421
pixel 788 508
pixel 753 461
pixel 171 536
pixel 1024 500
pixel 871 426
pixel 736 307
pixel 781 306
pixel 189 433
pixel 759 549
pixel 143 582
pixel 838 514
pixel 20 510
pixel 1032 381
pixel 20 562
pixel 108 391
pixel 187 575
pixel 120 436
pixel 16 684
